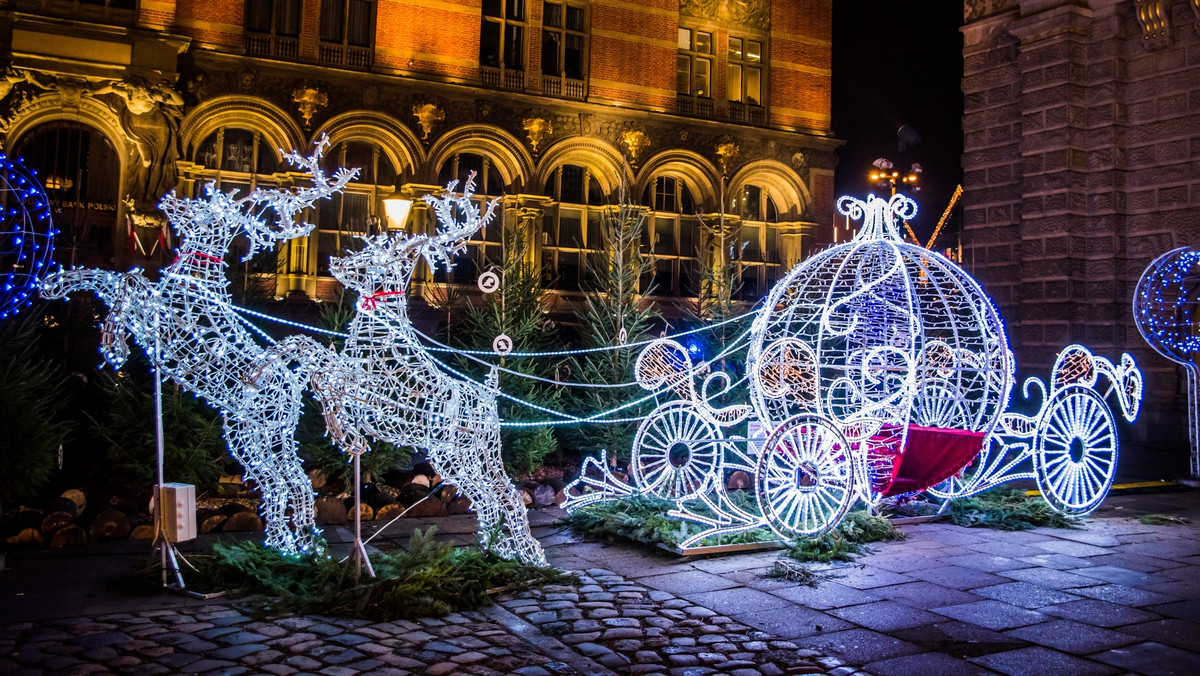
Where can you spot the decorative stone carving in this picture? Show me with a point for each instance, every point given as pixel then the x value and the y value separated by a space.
pixel 370 97
pixel 635 141
pixel 751 13
pixel 536 129
pixel 309 100
pixel 726 152
pixel 799 160
pixel 246 79
pixel 1153 15
pixel 427 115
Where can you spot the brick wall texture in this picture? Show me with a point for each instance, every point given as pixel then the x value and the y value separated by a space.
pixel 1081 163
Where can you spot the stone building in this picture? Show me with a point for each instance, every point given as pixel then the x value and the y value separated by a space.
pixel 700 108
pixel 1082 164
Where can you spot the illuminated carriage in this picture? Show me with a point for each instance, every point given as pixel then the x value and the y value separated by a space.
pixel 876 368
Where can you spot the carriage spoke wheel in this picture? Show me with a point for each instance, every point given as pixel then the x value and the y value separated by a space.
pixel 1076 450
pixel 804 477
pixel 675 451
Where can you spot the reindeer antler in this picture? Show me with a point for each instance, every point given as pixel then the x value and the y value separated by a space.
pixel 247 213
pixel 452 237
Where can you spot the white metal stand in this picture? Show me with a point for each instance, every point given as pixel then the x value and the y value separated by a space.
pixel 164 546
pixel 358 553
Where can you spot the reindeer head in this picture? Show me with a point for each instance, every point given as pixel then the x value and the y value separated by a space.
pixel 386 262
pixel 220 216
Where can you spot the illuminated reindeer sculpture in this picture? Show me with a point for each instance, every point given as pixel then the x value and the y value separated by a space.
pixel 187 325
pixel 385 386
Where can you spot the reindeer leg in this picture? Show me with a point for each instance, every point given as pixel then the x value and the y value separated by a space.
pixel 250 445
pixel 472 463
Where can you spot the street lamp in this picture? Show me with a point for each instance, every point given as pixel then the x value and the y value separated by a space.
pixel 397 207
pixel 887 178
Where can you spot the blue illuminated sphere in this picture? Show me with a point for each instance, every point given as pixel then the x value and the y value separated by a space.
pixel 1166 305
pixel 26 235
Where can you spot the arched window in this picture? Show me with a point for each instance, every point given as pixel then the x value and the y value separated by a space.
pixel 80 171
pixel 571 228
pixel 357 210
pixel 485 246
pixel 240 159
pixel 231 149
pixel 759 240
pixel 673 236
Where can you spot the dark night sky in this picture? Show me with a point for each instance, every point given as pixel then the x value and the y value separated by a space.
pixel 899 62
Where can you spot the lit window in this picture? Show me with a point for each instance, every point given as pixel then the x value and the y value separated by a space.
pixel 744 73
pixel 693 72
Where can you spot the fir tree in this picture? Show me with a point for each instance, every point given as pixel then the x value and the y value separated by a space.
pixel 32 402
pixel 614 314
pixel 516 309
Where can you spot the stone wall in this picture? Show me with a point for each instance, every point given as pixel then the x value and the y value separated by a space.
pixel 1081 164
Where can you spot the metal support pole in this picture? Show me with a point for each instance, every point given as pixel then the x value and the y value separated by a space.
pixel 165 547
pixel 358 554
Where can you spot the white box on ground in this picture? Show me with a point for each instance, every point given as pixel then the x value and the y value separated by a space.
pixel 178 504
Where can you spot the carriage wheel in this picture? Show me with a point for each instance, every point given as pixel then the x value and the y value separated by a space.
pixel 676 449
pixel 1076 450
pixel 804 478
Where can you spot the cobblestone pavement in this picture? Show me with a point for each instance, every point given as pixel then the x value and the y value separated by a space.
pixel 1115 596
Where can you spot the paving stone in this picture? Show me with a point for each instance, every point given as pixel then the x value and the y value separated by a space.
pixel 1154 659
pixel 866 577
pixel 1118 575
pixel 1078 549
pixel 1099 613
pixel 1126 596
pixel 1054 579
pixel 1038 661
pixel 960 639
pixel 736 600
pixel 1073 637
pixel 236 652
pixel 925 664
pixel 1025 595
pixel 1179 633
pixel 989 563
pixel 926 595
pixel 859 646
pixel 886 615
pixel 793 622
pixel 992 614
pixel 957 577
pixel 688 581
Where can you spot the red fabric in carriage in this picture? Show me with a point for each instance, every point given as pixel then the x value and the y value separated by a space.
pixel 932 455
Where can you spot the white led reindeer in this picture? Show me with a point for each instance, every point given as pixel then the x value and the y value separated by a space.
pixel 187 325
pixel 385 386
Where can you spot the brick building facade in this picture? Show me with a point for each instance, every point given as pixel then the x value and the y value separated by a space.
pixel 1082 164
pixel 557 104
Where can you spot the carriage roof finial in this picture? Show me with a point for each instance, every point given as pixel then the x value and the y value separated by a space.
pixel 879 216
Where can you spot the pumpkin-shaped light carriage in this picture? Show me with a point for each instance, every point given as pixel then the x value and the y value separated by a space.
pixel 877 368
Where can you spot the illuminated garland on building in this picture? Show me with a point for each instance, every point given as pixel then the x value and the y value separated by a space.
pixel 26 235
pixel 857 347
pixel 1165 306
pixel 186 324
